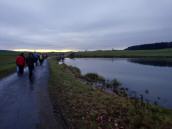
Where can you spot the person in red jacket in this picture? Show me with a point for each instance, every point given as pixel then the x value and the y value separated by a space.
pixel 20 62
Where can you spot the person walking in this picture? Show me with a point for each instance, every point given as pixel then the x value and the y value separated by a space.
pixel 41 59
pixel 36 57
pixel 30 64
pixel 20 62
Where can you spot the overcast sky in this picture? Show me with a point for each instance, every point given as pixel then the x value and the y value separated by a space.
pixel 83 24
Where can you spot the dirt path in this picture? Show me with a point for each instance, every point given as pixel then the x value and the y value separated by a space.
pixel 25 104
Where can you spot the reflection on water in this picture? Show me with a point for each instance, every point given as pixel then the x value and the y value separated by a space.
pixel 141 76
pixel 153 62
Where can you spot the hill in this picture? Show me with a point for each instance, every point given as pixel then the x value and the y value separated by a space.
pixel 151 46
pixel 7 52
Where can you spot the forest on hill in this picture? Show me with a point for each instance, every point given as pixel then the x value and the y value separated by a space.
pixel 161 45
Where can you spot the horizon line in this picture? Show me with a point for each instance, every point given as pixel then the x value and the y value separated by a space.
pixel 44 50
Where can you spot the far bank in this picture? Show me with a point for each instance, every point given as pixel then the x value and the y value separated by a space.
pixel 160 53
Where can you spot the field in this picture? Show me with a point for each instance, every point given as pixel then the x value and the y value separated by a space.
pixel 84 107
pixel 7 64
pixel 165 53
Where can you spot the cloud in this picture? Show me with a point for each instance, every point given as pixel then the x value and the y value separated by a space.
pixel 91 24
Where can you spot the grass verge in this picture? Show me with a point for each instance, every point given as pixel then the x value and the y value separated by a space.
pixel 6 70
pixel 86 108
pixel 7 64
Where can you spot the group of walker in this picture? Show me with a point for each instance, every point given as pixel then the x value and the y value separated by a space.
pixel 61 57
pixel 32 60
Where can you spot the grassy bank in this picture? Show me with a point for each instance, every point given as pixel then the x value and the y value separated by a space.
pixel 166 53
pixel 7 64
pixel 87 108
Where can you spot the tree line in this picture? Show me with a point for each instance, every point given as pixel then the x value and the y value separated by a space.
pixel 152 46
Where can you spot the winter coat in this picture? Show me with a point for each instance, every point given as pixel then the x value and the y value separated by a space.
pixel 30 61
pixel 20 60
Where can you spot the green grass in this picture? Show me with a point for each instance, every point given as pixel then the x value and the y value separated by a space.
pixel 87 108
pixel 7 64
pixel 166 53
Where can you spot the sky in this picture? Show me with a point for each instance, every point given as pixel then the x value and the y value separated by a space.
pixel 83 24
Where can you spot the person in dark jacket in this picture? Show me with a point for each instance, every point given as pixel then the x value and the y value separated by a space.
pixel 30 63
pixel 41 59
pixel 20 62
pixel 36 58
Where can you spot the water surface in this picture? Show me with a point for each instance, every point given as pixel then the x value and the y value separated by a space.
pixel 139 75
